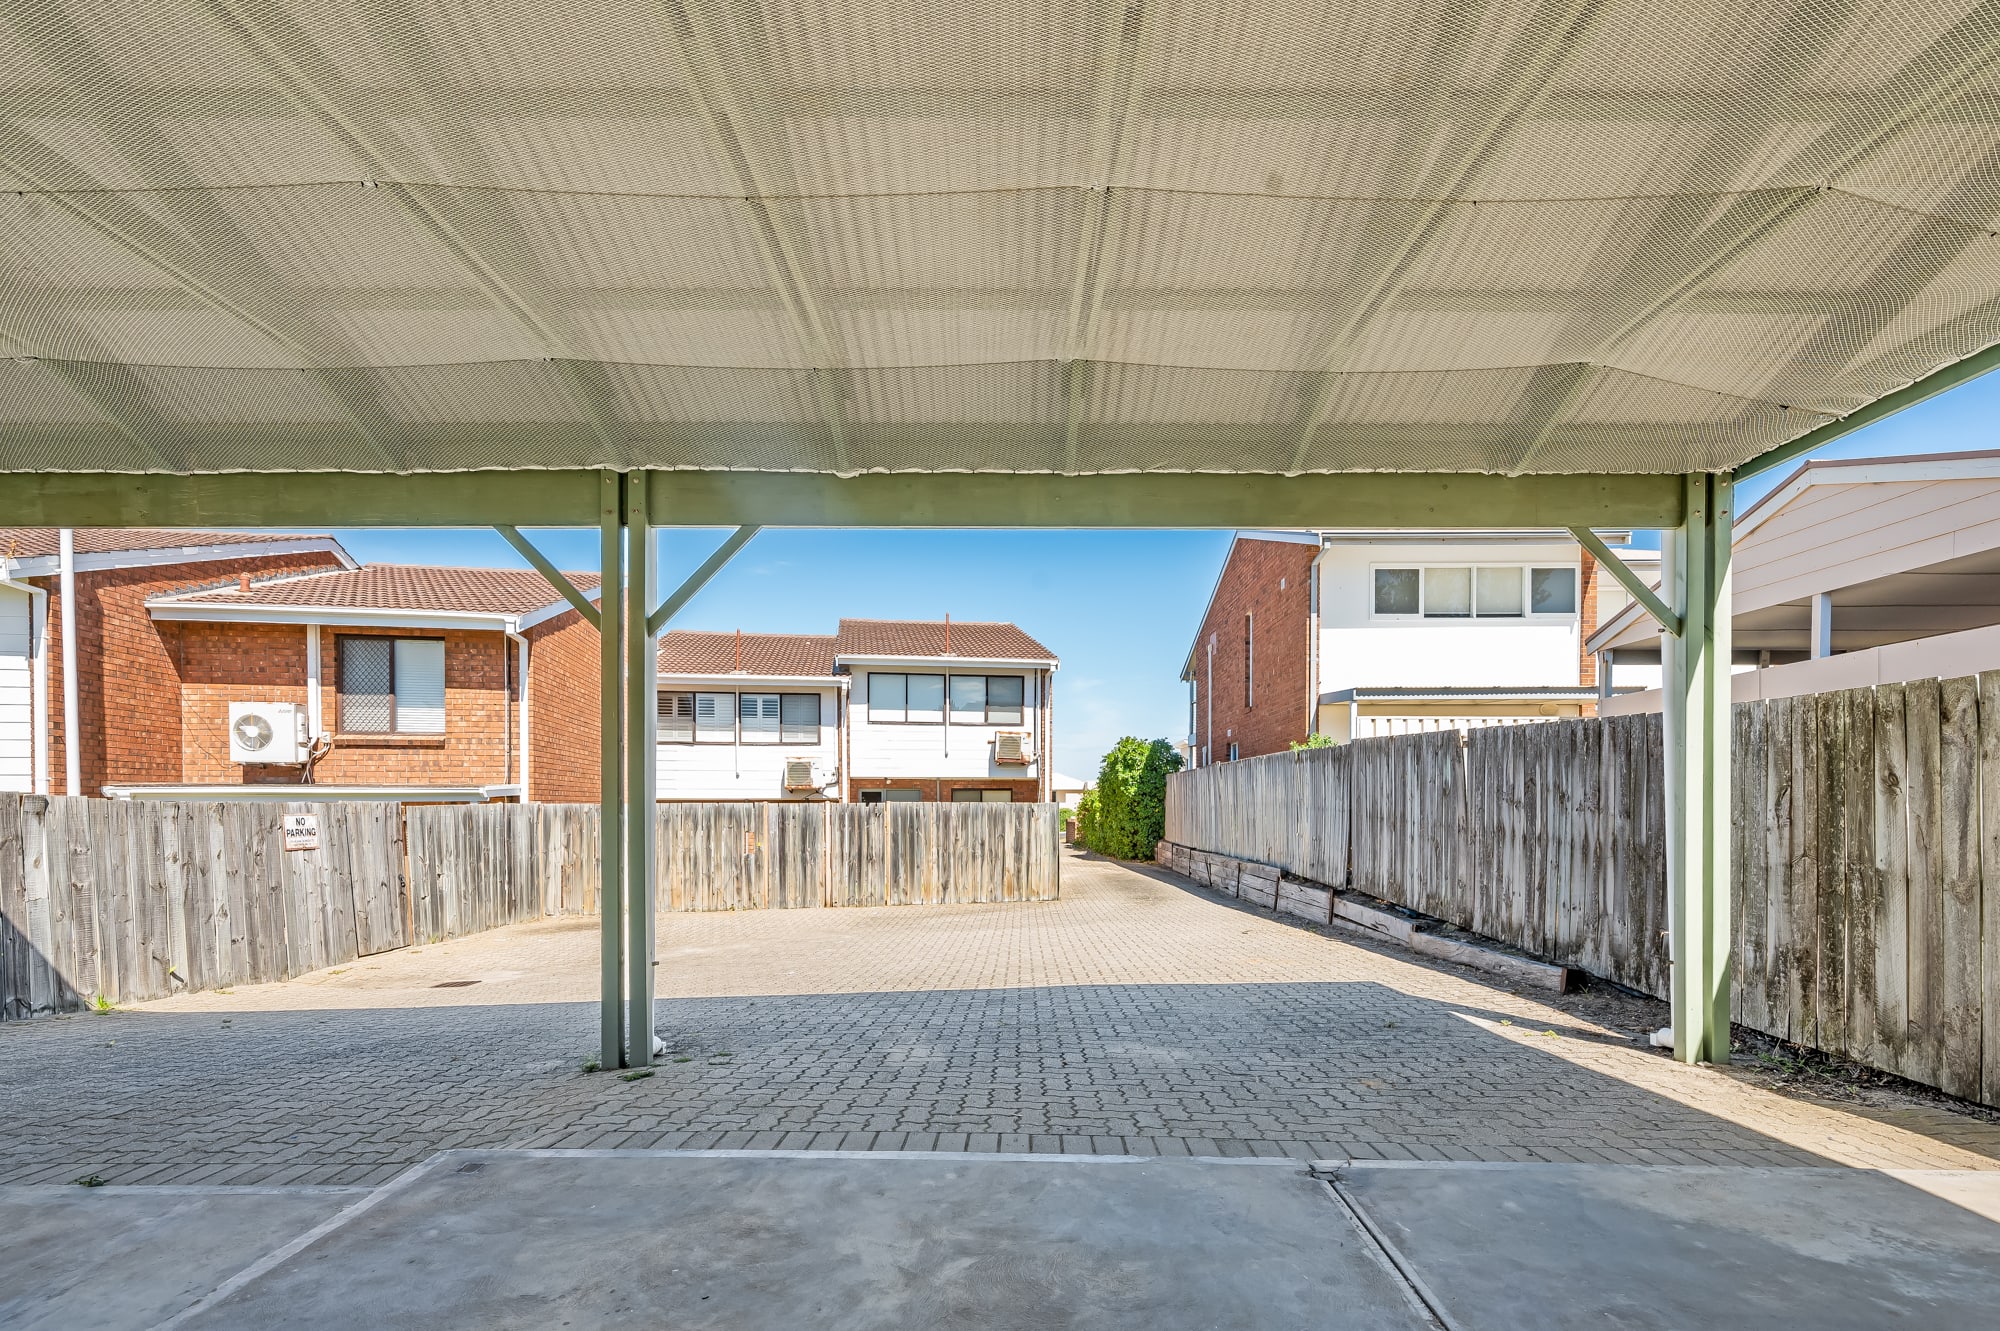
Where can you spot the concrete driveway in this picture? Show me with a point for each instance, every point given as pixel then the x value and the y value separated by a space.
pixel 942 1069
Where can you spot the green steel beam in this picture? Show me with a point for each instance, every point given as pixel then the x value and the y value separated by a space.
pixel 812 499
pixel 699 578
pixel 641 773
pixel 1938 381
pixel 550 573
pixel 1697 701
pixel 610 803
pixel 1627 579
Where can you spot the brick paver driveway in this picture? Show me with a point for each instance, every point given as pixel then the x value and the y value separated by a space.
pixel 1136 1015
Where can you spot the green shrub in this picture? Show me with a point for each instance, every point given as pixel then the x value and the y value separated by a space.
pixel 1086 817
pixel 1128 809
pixel 1317 740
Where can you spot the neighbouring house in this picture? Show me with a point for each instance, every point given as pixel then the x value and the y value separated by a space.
pixel 217 664
pixel 405 682
pixel 882 710
pixel 1851 572
pixel 89 684
pixel 1351 633
pixel 1067 791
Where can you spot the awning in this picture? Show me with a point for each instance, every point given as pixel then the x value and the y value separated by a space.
pixel 1229 236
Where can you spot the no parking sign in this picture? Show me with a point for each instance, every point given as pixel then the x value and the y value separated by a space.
pixel 301 831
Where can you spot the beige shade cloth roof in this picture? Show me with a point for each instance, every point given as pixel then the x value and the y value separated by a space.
pixel 1034 235
pixel 497 591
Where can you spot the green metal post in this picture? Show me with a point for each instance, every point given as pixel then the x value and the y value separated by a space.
pixel 1696 574
pixel 610 845
pixel 641 678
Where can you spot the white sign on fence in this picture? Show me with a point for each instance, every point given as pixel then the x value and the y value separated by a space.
pixel 301 831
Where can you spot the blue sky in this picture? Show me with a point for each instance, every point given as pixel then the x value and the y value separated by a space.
pixel 1119 608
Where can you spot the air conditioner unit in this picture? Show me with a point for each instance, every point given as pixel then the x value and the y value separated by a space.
pixel 799 775
pixel 1010 747
pixel 267 732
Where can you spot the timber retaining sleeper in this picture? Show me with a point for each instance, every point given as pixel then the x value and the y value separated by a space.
pixel 1267 886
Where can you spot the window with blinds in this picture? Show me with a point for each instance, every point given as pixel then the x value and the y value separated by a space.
pixel 676 712
pixel 757 717
pixel 798 718
pixel 739 718
pixel 391 685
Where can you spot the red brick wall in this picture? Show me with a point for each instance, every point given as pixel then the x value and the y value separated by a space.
pixel 1272 582
pixel 565 678
pixel 225 663
pixel 1025 791
pixel 128 681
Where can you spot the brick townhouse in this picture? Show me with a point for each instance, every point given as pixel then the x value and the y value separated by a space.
pixel 196 654
pixel 879 711
pixel 1353 633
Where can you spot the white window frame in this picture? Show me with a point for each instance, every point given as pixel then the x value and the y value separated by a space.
pixel 944 697
pixel 1528 612
pixel 395 726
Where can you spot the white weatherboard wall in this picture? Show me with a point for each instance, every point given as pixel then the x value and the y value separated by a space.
pixel 734 771
pixel 936 749
pixel 1359 650
pixel 17 693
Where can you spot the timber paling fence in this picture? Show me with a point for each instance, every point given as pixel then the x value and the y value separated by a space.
pixel 1865 838
pixel 122 901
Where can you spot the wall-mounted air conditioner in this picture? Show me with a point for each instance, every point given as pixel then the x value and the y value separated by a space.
pixel 267 732
pixel 1010 747
pixel 801 775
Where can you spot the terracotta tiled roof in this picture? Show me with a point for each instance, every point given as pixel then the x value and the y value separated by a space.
pixel 687 652
pixel 492 591
pixel 926 637
pixel 39 542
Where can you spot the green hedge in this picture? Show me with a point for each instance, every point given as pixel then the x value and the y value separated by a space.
pixel 1126 815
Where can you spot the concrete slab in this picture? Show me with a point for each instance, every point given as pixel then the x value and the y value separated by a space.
pixel 597 1239
pixel 74 1258
pixel 1545 1248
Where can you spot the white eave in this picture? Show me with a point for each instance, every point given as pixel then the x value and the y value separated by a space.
pixel 297 794
pixel 347 616
pixel 949 663
pixel 749 679
pixel 47 566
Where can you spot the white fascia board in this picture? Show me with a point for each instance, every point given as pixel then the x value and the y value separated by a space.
pixel 46 565
pixel 552 610
pixel 1285 537
pixel 1352 536
pixel 316 794
pixel 332 616
pixel 1619 624
pixel 1872 471
pixel 754 681
pixel 946 664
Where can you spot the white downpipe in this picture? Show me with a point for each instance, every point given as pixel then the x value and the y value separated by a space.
pixel 72 740
pixel 522 728
pixel 315 714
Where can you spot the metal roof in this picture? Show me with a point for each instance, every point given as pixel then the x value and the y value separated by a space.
pixel 1530 236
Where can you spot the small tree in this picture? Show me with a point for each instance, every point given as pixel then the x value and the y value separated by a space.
pixel 1129 813
pixel 1319 739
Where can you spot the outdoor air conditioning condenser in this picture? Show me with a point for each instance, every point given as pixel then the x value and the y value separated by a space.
pixel 267 732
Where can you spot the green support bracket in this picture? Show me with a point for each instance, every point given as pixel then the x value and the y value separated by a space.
pixel 610 802
pixel 1627 579
pixel 550 573
pixel 699 578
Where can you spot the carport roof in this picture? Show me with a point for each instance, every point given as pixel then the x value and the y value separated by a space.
pixel 1257 236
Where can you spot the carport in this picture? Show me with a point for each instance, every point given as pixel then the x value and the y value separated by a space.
pixel 1119 264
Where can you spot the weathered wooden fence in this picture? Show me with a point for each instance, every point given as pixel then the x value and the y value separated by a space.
pixel 542 859
pixel 1866 838
pixel 123 901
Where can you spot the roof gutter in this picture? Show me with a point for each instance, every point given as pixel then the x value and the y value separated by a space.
pixel 333 616
pixel 1039 662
